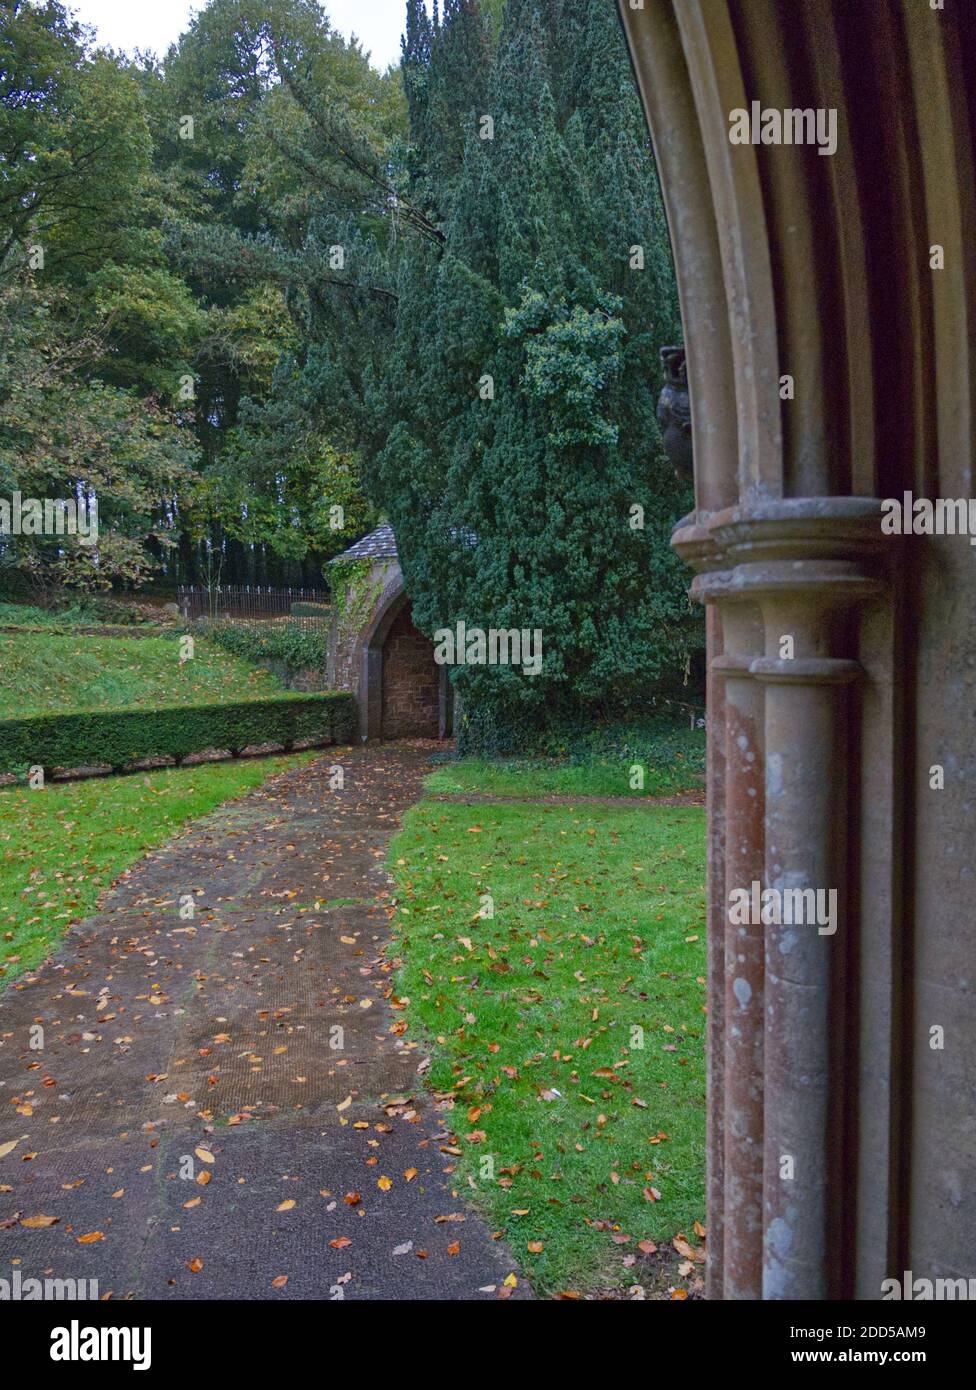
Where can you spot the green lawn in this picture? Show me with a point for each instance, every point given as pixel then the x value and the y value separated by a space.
pixel 43 673
pixel 61 845
pixel 569 1027
pixel 550 777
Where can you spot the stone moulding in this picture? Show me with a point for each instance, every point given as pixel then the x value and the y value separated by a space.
pixel 797 569
pixel 854 766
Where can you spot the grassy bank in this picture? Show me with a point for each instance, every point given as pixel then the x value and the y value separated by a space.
pixel 568 1026
pixel 44 673
pixel 62 845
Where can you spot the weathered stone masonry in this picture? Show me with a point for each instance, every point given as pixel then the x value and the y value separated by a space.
pixel 825 1050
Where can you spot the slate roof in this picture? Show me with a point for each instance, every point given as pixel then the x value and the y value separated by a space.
pixel 381 544
pixel 378 545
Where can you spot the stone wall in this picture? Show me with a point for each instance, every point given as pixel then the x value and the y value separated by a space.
pixel 411 682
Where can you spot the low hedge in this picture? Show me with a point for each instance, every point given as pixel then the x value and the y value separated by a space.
pixel 120 737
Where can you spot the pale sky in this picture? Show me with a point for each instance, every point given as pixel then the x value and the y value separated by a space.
pixel 155 24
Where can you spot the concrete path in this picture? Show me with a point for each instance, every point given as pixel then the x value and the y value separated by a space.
pixel 212 1107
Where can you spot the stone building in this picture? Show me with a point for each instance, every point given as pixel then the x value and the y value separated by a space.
pixel 829 304
pixel 377 653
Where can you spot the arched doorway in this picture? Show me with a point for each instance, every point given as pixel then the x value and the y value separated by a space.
pixel 411 681
pixel 403 693
pixel 828 306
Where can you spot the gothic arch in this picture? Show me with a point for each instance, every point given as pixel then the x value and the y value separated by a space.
pixel 819 268
pixel 391 603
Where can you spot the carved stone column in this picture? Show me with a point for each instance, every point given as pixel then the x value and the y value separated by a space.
pixel 787 579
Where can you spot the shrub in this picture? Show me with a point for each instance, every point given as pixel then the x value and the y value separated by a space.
pixel 124 736
pixel 310 610
pixel 655 738
pixel 288 644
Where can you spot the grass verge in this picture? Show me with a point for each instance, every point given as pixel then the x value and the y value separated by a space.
pixel 62 845
pixel 656 758
pixel 568 1027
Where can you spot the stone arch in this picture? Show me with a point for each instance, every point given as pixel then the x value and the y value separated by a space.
pixel 390 613
pixel 817 267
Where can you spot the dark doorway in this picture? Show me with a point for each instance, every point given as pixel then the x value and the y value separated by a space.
pixel 411 682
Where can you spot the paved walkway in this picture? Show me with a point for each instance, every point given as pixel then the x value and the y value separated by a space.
pixel 189 1122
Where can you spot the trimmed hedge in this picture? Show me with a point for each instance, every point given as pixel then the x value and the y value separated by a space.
pixel 122 736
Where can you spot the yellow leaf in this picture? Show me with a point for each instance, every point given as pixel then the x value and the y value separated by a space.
pixel 204 1155
pixel 286 1205
pixel 384 1184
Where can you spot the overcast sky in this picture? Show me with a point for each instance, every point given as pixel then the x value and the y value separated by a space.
pixel 155 24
